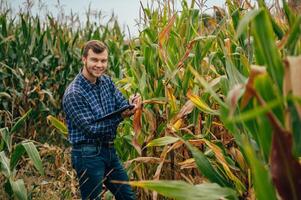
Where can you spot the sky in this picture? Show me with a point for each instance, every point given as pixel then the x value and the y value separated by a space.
pixel 126 11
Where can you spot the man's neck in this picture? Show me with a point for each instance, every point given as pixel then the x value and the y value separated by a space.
pixel 88 76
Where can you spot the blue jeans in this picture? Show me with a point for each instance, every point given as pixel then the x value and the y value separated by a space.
pixel 96 165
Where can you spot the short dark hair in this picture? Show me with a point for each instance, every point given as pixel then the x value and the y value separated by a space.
pixel 96 46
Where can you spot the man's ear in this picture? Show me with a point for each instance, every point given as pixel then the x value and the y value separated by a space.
pixel 84 59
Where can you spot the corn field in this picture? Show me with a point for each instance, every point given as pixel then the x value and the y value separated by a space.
pixel 221 114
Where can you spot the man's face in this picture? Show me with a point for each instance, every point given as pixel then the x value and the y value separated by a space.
pixel 95 64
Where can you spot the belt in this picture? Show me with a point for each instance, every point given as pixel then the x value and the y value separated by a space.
pixel 108 144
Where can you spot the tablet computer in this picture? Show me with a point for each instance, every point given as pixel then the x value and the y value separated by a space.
pixel 118 111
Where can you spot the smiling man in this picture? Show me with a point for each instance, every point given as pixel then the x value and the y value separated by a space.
pixel 89 97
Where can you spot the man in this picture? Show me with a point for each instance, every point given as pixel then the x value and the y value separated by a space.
pixel 89 97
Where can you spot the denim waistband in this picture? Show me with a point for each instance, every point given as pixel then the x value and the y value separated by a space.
pixel 108 144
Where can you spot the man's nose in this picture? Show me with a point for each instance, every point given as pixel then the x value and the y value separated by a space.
pixel 99 64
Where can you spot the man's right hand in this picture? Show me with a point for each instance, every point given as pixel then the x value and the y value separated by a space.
pixel 136 101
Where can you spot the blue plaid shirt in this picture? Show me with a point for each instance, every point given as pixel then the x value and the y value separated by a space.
pixel 85 102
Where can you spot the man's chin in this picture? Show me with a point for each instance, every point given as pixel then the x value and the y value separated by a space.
pixel 97 74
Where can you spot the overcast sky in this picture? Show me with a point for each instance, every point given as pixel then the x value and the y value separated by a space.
pixel 127 11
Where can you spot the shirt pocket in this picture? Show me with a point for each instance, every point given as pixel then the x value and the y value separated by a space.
pixel 107 100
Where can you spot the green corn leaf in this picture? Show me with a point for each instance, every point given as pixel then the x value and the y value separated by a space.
pixel 58 124
pixel 294 37
pixel 7 188
pixel 16 155
pixel 6 137
pixel 296 127
pixel 257 111
pixel 277 29
pixel 264 188
pixel 19 189
pixel 34 156
pixel 181 190
pixel 266 89
pixel 288 12
pixel 266 47
pixel 234 75
pixel 200 104
pixel 24 28
pixel 201 80
pixel 21 121
pixel 162 141
pixel 3 19
pixel 206 168
pixel 4 165
pixel 245 21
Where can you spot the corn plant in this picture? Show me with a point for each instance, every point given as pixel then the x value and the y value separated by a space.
pixel 221 95
pixel 10 154
pixel 259 126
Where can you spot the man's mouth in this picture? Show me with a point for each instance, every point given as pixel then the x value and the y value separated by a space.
pixel 98 70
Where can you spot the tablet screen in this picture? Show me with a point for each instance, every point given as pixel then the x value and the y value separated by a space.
pixel 118 111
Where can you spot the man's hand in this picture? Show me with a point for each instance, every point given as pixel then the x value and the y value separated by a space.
pixel 137 102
